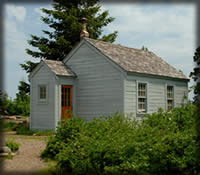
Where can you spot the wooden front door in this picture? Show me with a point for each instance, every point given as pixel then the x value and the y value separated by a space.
pixel 66 101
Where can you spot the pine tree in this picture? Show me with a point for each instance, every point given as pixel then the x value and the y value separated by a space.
pixel 144 48
pixel 65 20
pixel 196 77
pixel 23 90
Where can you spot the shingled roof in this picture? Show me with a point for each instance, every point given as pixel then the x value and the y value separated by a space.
pixel 136 60
pixel 59 68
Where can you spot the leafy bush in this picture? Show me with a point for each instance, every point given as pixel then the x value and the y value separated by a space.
pixel 18 106
pixel 12 145
pixel 65 133
pixel 161 143
pixel 4 102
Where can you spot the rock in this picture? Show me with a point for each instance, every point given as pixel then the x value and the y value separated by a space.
pixel 12 117
pixel 5 149
pixel 18 117
pixel 4 117
pixel 7 154
pixel 6 112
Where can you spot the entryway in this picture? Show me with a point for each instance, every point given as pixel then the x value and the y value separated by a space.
pixel 66 101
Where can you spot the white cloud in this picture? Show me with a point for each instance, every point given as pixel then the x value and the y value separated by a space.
pixel 19 12
pixel 133 18
pixel 169 30
pixel 15 40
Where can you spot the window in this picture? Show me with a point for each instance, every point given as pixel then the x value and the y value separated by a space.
pixel 42 92
pixel 142 97
pixel 170 97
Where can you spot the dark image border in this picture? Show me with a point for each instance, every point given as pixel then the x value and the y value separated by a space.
pixel 2 60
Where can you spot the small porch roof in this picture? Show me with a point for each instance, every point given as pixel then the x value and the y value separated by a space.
pixel 59 68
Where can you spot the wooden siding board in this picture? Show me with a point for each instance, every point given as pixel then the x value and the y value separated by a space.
pixel 130 96
pixel 156 92
pixel 99 85
pixel 43 114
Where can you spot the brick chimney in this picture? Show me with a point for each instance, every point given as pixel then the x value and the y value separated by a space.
pixel 84 32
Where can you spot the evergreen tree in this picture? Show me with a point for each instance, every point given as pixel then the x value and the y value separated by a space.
pixel 4 102
pixel 65 22
pixel 29 66
pixel 21 104
pixel 196 77
pixel 23 90
pixel 144 48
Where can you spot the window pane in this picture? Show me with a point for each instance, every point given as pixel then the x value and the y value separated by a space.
pixel 169 91
pixel 170 96
pixel 170 104
pixel 142 104
pixel 42 92
pixel 142 90
pixel 142 97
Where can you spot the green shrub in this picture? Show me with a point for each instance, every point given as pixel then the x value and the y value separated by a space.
pixel 12 145
pixel 18 106
pixel 65 133
pixel 161 143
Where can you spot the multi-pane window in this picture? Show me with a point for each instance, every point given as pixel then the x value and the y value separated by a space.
pixel 43 92
pixel 142 97
pixel 170 97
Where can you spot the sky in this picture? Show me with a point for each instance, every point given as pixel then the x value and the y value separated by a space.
pixel 168 30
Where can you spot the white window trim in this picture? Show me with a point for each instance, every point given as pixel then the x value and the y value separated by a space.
pixel 43 100
pixel 147 97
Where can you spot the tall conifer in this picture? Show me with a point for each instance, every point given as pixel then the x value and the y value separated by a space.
pixel 65 23
pixel 196 77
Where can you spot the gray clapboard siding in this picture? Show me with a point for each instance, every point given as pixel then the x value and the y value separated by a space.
pixel 156 92
pixel 156 96
pixel 180 92
pixel 130 96
pixel 99 85
pixel 42 113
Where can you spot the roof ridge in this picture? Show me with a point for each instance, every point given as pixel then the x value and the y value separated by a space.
pixel 118 45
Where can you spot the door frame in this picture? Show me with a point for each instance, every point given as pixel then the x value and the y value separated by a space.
pixel 62 80
pixel 71 98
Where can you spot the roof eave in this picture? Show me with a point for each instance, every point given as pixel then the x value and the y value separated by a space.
pixel 158 76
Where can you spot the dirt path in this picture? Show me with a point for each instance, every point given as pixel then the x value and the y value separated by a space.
pixel 27 160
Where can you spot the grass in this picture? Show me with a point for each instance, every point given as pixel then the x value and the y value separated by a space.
pixel 45 133
pixel 28 138
pixel 22 129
